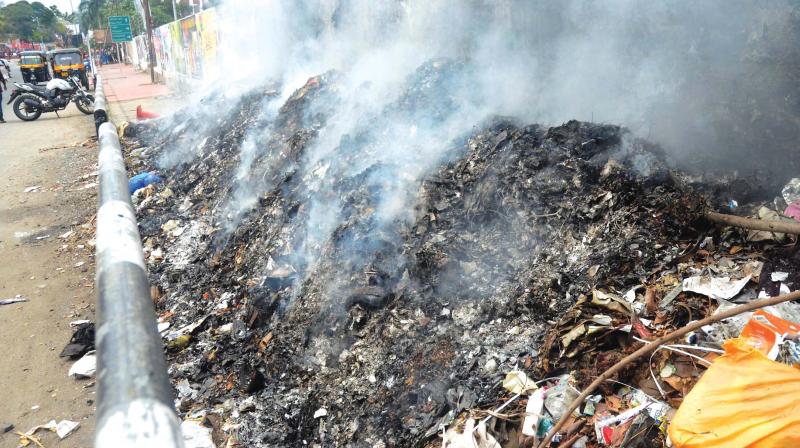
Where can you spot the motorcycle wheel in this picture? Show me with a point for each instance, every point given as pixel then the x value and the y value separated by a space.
pixel 84 106
pixel 24 112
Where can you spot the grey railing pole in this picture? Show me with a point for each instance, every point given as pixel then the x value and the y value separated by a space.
pixel 100 104
pixel 134 397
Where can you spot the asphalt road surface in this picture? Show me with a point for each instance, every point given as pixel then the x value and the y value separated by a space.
pixel 55 274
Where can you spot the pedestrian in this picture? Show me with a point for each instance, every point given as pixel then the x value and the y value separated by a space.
pixel 3 82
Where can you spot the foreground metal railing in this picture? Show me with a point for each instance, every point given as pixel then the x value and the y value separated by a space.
pixel 100 104
pixel 134 397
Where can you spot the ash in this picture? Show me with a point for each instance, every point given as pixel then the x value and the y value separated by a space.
pixel 349 298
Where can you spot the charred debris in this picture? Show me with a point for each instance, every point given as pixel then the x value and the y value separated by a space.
pixel 388 332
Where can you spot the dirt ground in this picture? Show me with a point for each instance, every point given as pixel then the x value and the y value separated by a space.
pixel 56 275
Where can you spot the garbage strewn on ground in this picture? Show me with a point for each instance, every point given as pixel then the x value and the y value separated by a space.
pixel 62 428
pixel 81 341
pixel 295 312
pixel 142 180
pixel 195 435
pixel 84 367
pixel 17 299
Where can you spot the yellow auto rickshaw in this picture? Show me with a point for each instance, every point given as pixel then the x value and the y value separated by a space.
pixel 69 62
pixel 33 65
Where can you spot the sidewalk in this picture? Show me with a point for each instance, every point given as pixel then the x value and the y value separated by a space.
pixel 126 88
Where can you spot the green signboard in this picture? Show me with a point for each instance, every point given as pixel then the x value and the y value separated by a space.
pixel 120 28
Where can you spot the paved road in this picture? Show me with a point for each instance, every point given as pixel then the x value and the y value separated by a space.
pixel 55 274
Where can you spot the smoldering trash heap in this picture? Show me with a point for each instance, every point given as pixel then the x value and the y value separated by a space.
pixel 330 269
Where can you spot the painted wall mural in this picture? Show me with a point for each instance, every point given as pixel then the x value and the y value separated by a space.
pixel 184 49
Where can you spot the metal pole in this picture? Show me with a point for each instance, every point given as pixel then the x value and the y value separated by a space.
pixel 151 52
pixel 134 397
pixel 100 103
pixel 91 56
pixel 174 11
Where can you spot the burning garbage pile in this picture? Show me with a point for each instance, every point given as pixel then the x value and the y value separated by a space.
pixel 350 297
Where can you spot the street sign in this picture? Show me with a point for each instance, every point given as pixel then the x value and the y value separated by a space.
pixel 120 28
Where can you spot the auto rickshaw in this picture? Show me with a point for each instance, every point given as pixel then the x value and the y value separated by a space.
pixel 69 62
pixel 33 65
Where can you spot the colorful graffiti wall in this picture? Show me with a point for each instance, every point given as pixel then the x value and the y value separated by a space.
pixel 184 50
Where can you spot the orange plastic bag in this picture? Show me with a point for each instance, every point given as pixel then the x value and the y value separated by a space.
pixel 764 331
pixel 743 400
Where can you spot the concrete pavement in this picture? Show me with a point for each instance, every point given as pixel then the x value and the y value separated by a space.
pixel 57 156
pixel 53 159
pixel 126 88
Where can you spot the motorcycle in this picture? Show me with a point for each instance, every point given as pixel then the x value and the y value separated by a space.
pixel 31 100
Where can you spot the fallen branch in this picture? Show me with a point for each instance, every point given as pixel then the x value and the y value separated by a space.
pixel 754 224
pixel 754 305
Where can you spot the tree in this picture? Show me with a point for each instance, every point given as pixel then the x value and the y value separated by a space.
pixel 30 21
pixel 123 8
pixel 89 13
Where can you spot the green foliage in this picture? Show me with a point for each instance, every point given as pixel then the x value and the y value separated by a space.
pixel 93 14
pixel 30 21
pixel 162 11
pixel 122 8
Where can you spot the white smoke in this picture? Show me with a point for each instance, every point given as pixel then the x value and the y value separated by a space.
pixel 655 67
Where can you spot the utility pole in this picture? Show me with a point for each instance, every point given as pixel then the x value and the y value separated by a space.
pixel 151 52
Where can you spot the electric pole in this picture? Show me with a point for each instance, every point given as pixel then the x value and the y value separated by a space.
pixel 151 52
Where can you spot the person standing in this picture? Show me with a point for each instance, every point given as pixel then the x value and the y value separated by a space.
pixel 3 83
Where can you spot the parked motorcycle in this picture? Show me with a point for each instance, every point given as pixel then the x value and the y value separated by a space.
pixel 30 100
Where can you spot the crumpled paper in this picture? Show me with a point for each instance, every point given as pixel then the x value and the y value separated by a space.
pixel 720 288
pixel 472 437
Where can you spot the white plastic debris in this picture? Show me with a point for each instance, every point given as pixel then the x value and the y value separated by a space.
pixel 533 411
pixel 188 329
pixel 63 428
pixel 196 435
pixel 78 323
pixel 621 418
pixel 84 367
pixel 156 254
pixel 472 437
pixel 32 189
pixel 184 389
pixel 321 412
pixel 170 225
pixel 779 276
pixel 16 299
pixel 517 382
pixel 721 288
pixel 791 192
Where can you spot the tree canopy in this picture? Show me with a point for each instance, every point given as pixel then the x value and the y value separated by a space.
pixel 30 21
pixel 93 14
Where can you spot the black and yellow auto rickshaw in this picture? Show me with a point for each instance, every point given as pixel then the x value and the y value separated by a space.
pixel 33 65
pixel 69 62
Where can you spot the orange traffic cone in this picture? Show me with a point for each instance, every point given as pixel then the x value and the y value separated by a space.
pixel 143 114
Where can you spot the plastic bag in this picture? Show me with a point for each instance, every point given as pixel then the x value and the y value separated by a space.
pixel 142 180
pixel 743 400
pixel 765 332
